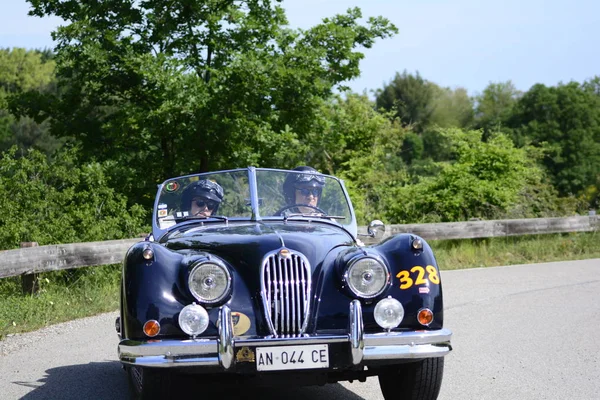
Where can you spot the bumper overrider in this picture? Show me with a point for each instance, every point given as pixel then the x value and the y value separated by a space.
pixel 363 349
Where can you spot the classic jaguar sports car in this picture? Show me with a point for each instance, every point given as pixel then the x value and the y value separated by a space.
pixel 260 274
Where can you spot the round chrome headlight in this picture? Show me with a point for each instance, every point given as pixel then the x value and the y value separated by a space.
pixel 389 313
pixel 193 319
pixel 209 282
pixel 367 277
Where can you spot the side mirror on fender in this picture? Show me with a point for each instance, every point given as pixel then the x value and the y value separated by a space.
pixel 376 229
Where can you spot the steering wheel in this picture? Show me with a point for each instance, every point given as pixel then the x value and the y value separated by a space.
pixel 284 208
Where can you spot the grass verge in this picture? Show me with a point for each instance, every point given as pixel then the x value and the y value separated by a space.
pixel 71 294
pixel 63 296
pixel 530 249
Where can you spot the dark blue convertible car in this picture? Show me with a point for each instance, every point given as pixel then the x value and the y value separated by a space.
pixel 260 274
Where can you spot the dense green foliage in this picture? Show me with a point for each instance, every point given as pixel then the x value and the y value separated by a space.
pixel 483 179
pixel 559 126
pixel 565 122
pixel 61 201
pixel 23 71
pixel 495 107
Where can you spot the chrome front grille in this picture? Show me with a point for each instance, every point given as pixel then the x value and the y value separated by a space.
pixel 286 287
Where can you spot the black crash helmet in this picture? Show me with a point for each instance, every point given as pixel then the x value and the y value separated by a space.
pixel 309 179
pixel 203 188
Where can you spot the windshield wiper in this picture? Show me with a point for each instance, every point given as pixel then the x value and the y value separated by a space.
pixel 195 217
pixel 309 215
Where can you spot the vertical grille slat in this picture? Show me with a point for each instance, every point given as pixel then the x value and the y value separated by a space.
pixel 286 287
pixel 274 293
pixel 302 294
pixel 287 296
pixel 282 296
pixel 294 289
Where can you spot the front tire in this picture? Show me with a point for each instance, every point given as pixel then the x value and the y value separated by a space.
pixel 420 380
pixel 149 383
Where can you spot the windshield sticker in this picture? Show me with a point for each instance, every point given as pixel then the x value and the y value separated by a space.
pixel 162 213
pixel 172 186
pixel 166 223
pixel 161 206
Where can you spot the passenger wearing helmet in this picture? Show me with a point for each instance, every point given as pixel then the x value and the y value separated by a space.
pixel 304 189
pixel 202 198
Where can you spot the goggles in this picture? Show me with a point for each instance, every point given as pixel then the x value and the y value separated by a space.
pixel 304 178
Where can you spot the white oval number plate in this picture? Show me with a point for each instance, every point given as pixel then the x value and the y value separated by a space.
pixel 279 358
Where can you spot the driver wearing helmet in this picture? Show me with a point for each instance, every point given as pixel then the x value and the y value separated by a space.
pixel 304 189
pixel 202 198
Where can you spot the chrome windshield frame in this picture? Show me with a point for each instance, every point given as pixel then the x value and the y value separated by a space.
pixel 253 194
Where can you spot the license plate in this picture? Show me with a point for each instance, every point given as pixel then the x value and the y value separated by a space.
pixel 292 357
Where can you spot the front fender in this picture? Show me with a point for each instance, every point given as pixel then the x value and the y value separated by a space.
pixel 149 290
pixel 157 289
pixel 415 282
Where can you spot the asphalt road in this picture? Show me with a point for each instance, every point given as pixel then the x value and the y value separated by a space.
pixel 520 332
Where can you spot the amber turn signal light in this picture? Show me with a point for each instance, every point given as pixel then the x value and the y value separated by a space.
pixel 425 316
pixel 151 328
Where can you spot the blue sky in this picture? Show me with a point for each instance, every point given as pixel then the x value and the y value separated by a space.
pixel 459 43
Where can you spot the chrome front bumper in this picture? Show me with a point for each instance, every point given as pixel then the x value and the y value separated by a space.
pixel 363 348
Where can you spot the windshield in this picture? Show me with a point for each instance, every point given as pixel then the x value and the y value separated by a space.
pixel 230 195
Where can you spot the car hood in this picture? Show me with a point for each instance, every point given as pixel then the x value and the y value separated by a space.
pixel 244 244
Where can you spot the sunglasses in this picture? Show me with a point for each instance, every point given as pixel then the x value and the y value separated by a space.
pixel 307 192
pixel 208 204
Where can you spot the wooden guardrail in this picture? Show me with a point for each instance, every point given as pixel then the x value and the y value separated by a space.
pixel 62 256
pixel 33 260
pixel 494 228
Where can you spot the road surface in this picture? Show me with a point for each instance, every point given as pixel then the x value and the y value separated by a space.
pixel 520 332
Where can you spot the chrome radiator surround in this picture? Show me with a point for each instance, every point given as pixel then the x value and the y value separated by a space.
pixel 286 291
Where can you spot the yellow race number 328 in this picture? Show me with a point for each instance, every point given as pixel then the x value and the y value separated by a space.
pixel 418 276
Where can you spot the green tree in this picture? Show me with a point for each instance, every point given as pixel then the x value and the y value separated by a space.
pixel 166 87
pixel 61 201
pixel 564 121
pixel 494 107
pixel 410 98
pixel 345 128
pixel 373 175
pixel 412 148
pixel 452 108
pixel 23 71
pixel 423 107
